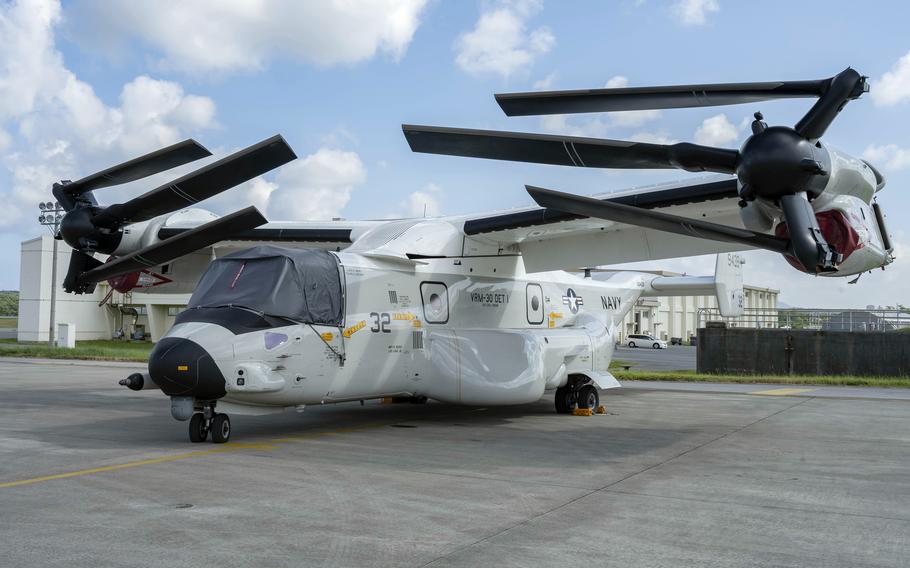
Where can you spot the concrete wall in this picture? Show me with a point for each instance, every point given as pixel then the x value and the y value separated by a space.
pixel 802 352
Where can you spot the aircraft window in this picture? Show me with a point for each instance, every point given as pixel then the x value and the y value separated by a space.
pixel 435 302
pixel 533 295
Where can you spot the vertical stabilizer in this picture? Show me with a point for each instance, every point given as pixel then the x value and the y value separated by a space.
pixel 728 283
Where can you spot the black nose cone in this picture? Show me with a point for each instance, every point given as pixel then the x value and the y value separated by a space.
pixel 181 367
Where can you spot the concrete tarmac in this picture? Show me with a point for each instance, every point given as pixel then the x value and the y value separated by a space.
pixel 92 474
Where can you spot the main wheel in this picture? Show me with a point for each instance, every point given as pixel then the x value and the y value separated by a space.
pixel 198 430
pixel 221 428
pixel 631 344
pixel 656 346
pixel 565 400
pixel 588 397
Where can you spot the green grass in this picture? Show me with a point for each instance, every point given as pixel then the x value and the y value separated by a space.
pixel 93 350
pixel 693 377
pixel 8 323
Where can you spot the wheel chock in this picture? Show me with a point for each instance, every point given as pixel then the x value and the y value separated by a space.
pixel 601 410
pixel 582 412
pixel 386 400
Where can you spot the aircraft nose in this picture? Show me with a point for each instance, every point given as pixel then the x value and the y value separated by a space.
pixel 181 367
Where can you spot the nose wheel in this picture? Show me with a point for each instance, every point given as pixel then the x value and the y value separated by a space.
pixel 219 426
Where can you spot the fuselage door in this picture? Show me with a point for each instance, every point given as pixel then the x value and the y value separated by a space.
pixel 534 302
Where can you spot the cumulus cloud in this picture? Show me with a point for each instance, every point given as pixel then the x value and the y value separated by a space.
pixel 889 156
pixel 315 187
pixel 545 83
pixel 695 12
pixel 500 42
pixel 894 86
pixel 218 36
pixel 425 202
pixel 617 82
pixel 63 130
pixel 716 131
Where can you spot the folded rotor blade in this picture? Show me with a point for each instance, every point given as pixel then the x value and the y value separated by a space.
pixel 568 150
pixel 143 166
pixel 201 184
pixel 648 98
pixel 177 246
pixel 631 215
pixel 842 88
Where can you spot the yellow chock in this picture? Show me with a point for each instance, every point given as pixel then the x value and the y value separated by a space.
pixel 583 412
pixel 386 400
pixel 601 410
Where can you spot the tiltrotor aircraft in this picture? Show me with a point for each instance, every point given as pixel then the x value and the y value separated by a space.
pixel 473 309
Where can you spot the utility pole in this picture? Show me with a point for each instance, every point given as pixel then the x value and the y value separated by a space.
pixel 50 216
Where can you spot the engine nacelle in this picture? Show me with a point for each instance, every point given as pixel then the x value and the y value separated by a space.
pixel 851 226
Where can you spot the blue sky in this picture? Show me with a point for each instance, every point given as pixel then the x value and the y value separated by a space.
pixel 91 82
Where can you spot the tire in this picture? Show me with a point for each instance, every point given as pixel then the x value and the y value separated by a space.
pixel 198 431
pixel 656 346
pixel 588 397
pixel 221 428
pixel 632 344
pixel 565 400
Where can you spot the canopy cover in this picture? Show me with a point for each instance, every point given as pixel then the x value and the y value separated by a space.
pixel 303 285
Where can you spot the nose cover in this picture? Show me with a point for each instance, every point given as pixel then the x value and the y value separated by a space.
pixel 183 368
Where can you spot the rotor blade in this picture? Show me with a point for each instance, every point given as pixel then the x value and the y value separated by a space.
pixel 201 184
pixel 568 150
pixel 79 264
pixel 143 166
pixel 808 244
pixel 631 215
pixel 177 246
pixel 840 89
pixel 648 98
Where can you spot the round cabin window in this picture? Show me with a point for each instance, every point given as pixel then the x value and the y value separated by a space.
pixel 535 303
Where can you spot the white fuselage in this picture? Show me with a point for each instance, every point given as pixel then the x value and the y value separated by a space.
pixel 471 330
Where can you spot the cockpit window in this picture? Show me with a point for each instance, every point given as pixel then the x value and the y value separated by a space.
pixel 303 285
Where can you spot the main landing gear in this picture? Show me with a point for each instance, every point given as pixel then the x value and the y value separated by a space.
pixel 208 422
pixel 578 393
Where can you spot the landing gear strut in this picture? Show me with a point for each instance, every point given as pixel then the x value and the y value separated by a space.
pixel 206 422
pixel 577 393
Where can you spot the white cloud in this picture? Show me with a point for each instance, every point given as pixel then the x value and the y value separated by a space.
pixel 224 36
pixel 659 137
pixel 315 187
pixel 694 12
pixel 426 202
pixel 545 83
pixel 716 131
pixel 888 156
pixel 64 129
pixel 617 82
pixel 500 42
pixel 894 86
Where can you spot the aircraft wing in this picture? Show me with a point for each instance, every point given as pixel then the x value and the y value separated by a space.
pixel 551 240
pixel 331 235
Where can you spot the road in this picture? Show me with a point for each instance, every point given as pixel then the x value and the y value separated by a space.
pixel 674 358
pixel 92 474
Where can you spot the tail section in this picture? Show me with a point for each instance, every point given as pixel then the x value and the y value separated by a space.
pixel 726 284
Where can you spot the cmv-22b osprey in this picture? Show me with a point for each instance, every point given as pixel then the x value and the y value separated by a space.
pixel 473 309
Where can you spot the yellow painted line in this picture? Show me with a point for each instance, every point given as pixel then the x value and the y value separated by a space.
pixel 139 463
pixel 231 447
pixel 781 392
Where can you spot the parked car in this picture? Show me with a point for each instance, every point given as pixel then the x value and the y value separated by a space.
pixel 644 340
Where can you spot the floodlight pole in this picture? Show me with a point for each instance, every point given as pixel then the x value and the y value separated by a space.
pixel 50 216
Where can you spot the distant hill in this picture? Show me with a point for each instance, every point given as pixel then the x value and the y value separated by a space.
pixel 9 302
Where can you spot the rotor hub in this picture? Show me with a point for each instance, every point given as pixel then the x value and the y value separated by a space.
pixel 79 231
pixel 777 161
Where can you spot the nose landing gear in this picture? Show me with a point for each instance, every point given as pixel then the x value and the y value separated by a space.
pixel 208 422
